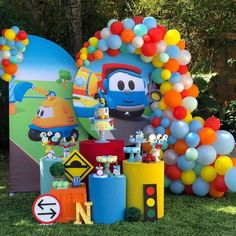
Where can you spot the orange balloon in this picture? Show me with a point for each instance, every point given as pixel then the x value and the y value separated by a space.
pixel 167 131
pixel 193 91
pixel 181 44
pixel 172 65
pixel 127 35
pixel 146 147
pixel 180 147
pixel 11 69
pixel 172 98
pixel 207 136
pixel 214 193
pixel 79 62
pixel 233 160
pixel 98 54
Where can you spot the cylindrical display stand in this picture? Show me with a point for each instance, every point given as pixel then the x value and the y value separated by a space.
pixel 140 176
pixel 90 149
pixel 109 198
pixel 46 178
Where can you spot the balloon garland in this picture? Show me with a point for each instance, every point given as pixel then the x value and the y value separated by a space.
pixel 13 44
pixel 195 157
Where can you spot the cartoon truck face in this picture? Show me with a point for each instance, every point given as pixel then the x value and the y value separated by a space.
pixel 124 90
pixel 55 114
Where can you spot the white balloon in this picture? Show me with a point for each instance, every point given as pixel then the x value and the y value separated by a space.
pixel 190 103
pixel 187 81
pixel 168 113
pixel 184 57
pixel 161 46
pixel 110 22
pixel 154 106
pixel 146 59
pixel 6 54
pixel 137 42
pixel 19 57
pixel 105 32
pixel 179 87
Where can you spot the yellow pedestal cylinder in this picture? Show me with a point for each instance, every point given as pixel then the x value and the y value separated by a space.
pixel 138 174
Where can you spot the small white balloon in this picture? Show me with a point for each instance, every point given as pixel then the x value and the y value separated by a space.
pixel 161 46
pixel 105 32
pixel 110 22
pixel 179 87
pixel 154 106
pixel 190 103
pixel 146 59
pixel 137 42
pixel 6 54
pixel 184 57
pixel 19 57
pixel 168 113
pixel 187 81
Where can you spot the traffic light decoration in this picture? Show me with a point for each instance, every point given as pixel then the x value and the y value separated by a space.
pixel 150 202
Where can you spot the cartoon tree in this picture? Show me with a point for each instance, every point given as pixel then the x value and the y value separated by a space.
pixel 64 76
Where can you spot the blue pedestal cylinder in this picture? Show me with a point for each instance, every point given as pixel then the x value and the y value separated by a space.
pixel 109 199
pixel 46 178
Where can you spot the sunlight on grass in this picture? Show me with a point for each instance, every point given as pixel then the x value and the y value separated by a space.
pixel 229 209
pixel 23 223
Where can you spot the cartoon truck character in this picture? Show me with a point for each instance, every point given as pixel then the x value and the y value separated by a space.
pixel 55 114
pixel 124 90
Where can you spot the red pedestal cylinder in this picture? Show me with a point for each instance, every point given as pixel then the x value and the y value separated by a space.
pixel 90 149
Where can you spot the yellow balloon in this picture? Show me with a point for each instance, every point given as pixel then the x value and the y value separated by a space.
pixel 165 87
pixel 162 105
pixel 165 74
pixel 10 34
pixel 83 56
pixel 208 173
pixel 6 77
pixel 5 48
pixel 188 177
pixel 222 164
pixel 172 37
pixel 85 50
pixel 25 42
pixel 156 62
pixel 198 118
pixel 138 51
pixel 188 118
pixel 93 41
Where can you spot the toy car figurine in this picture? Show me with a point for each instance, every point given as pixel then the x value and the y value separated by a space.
pixel 76 181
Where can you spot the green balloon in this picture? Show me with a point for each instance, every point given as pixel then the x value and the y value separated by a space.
pixel 191 154
pixel 198 169
pixel 156 76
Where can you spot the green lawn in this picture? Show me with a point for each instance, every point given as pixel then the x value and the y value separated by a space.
pixel 184 215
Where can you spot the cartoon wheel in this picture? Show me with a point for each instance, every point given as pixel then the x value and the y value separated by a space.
pixel 73 133
pixel 34 135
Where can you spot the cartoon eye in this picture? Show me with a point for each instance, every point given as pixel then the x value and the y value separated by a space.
pixel 57 135
pixel 45 112
pixel 43 134
pixel 38 112
pixel 41 113
pixel 49 133
pixel 131 85
pixel 121 85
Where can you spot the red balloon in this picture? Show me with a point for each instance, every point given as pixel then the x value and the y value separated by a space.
pixel 98 34
pixel 163 28
pixel 173 172
pixel 116 27
pixel 188 189
pixel 3 31
pixel 183 69
pixel 138 19
pixel 219 183
pixel 91 57
pixel 212 122
pixel 146 38
pixel 6 62
pixel 156 34
pixel 148 49
pixel 156 122
pixel 86 44
pixel 113 52
pixel 184 93
pixel 179 112
pixel 22 35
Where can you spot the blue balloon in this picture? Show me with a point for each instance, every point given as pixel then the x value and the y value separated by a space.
pixel 1 72
pixel 224 143
pixel 177 187
pixel 128 23
pixel 158 112
pixel 206 155
pixel 131 48
pixel 13 52
pixel 200 187
pixel 114 41
pixel 171 140
pixel 150 22
pixel 192 139
pixel 173 51
pixel 179 129
pixel 184 164
pixel 195 126
pixel 165 122
pixel 167 181
pixel 102 45
pixel 175 77
pixel 3 41
pixel 19 45
pixel 10 43
pixel 230 179
pixel 160 130
pixel 16 29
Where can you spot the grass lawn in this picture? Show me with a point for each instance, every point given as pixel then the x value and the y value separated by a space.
pixel 184 215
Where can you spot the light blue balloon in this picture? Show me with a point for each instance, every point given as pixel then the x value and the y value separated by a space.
pixel 16 29
pixel 13 59
pixel 1 72
pixel 198 168
pixel 230 179
pixel 177 187
pixel 13 52
pixel 167 182
pixel 184 164
pixel 165 145
pixel 140 30
pixel 171 140
pixel 179 129
pixel 128 23
pixel 224 143
pixel 200 187
pixel 150 22
pixel 86 62
pixel 102 45
pixel 114 41
pixel 10 43
pixel 158 112
pixel 175 77
pixel 19 45
pixel 165 122
pixel 130 48
pixel 206 155
pixel 192 139
pixel 164 57
pixel 160 130
pixel 173 51
pixel 195 126
pixel 191 154
pixel 3 41
pixel 156 76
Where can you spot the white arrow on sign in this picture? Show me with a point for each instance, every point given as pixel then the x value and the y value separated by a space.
pixel 46 209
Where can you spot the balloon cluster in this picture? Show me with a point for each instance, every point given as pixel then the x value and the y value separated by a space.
pixel 13 44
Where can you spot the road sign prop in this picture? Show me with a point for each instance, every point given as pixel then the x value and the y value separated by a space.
pixel 46 209
pixel 77 165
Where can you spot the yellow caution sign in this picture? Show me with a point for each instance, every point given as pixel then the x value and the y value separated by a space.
pixel 77 165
